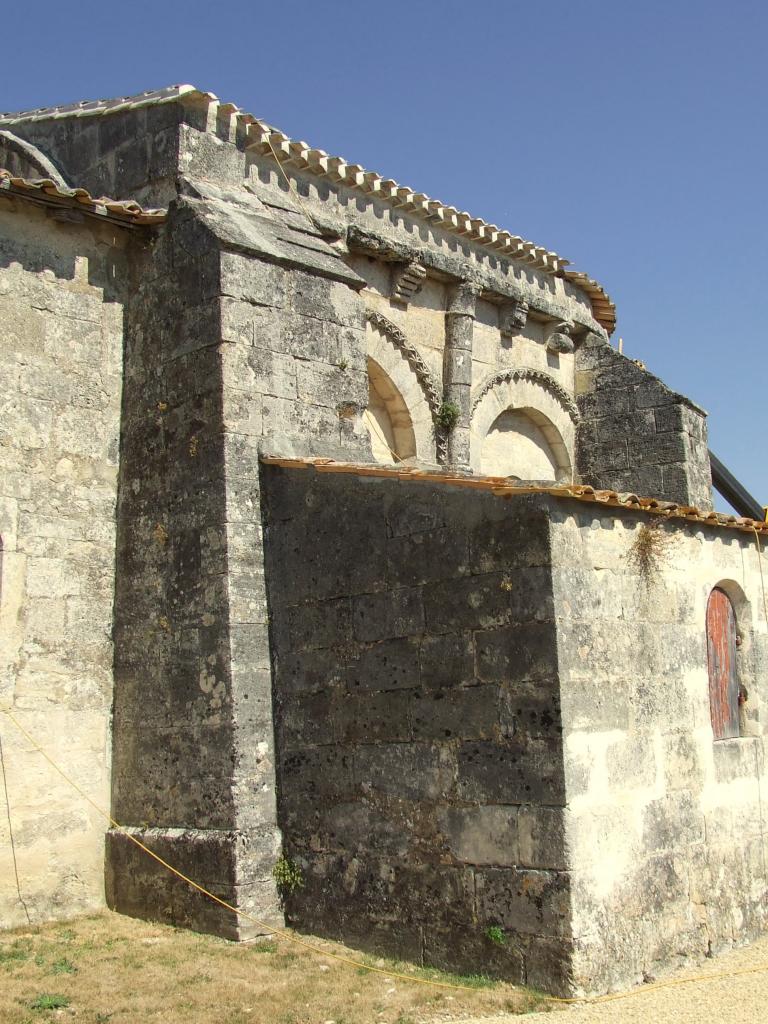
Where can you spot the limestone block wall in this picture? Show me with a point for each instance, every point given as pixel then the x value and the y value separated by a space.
pixel 417 722
pixel 227 354
pixel 133 153
pixel 667 829
pixel 635 433
pixel 61 324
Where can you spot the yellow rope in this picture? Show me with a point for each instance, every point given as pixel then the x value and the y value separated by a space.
pixel 760 567
pixel 223 903
pixel 292 189
pixel 370 420
pixel 284 933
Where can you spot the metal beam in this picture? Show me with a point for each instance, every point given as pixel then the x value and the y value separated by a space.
pixel 735 494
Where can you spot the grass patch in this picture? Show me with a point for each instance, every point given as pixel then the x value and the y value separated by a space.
pixel 63 966
pixel 49 1002
pixel 114 969
pixel 15 953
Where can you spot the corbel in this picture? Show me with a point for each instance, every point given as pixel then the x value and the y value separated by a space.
pixel 513 316
pixel 559 338
pixel 407 280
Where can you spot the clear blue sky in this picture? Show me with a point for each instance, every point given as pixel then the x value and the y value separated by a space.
pixel 630 137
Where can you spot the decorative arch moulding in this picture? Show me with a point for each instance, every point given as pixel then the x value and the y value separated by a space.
pixel 423 374
pixel 539 377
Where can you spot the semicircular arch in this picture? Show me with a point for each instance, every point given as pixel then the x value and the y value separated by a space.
pixel 24 160
pixel 410 377
pixel 551 414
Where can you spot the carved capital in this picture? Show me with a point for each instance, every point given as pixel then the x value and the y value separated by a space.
pixel 513 316
pixel 462 298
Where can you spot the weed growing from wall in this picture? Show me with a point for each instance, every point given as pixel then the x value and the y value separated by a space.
pixel 288 876
pixel 496 935
pixel 649 551
pixel 447 416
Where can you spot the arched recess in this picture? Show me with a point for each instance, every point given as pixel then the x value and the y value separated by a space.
pixel 524 443
pixel 523 424
pixel 408 397
pixel 24 160
pixel 389 422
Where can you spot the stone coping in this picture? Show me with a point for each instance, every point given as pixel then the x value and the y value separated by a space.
pixel 505 488
pixel 286 151
pixel 43 190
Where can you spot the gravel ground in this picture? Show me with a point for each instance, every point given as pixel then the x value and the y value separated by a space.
pixel 720 995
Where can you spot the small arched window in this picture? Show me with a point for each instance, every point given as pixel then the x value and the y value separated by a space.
pixel 722 642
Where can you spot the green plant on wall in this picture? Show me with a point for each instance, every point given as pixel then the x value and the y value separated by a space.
pixel 496 935
pixel 448 416
pixel 288 876
pixel 649 551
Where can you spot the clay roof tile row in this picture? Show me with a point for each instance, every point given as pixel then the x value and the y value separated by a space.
pixel 505 487
pixel 44 190
pixel 260 135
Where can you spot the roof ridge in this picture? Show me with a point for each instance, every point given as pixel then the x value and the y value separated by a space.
pixel 259 134
pixel 85 108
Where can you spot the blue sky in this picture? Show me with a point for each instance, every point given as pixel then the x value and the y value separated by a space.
pixel 628 137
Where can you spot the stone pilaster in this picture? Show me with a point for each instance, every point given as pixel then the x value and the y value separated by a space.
pixel 457 367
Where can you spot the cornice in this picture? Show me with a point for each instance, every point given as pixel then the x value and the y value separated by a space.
pixel 253 133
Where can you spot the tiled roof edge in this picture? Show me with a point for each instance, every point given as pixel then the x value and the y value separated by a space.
pixel 502 487
pixel 90 108
pixel 269 140
pixel 43 190
pixel 259 134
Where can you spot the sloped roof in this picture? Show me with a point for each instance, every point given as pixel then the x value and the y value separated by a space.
pixel 506 488
pixel 260 134
pixel 48 193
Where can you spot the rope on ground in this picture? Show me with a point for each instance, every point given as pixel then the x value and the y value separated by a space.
pixel 284 933
pixel 10 835
pixel 216 899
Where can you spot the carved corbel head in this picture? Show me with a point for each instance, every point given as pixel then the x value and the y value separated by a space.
pixel 559 339
pixel 514 316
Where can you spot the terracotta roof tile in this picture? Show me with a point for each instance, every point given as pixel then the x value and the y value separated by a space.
pixel 503 487
pixel 266 138
pixel 43 190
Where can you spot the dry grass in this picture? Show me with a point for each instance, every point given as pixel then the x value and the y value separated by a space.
pixel 650 551
pixel 108 969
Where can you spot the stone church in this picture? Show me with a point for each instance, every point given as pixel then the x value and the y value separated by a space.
pixel 336 533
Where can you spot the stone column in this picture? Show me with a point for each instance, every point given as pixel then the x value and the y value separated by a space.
pixel 457 368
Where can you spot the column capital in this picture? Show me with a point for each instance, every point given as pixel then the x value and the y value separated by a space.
pixel 463 295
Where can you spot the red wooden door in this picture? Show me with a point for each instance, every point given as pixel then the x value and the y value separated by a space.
pixel 721 655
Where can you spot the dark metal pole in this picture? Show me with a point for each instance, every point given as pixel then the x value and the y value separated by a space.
pixel 734 493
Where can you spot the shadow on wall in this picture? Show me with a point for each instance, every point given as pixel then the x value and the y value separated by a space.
pixel 524 443
pixel 389 422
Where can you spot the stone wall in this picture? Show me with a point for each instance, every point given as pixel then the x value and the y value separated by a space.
pixel 667 829
pixel 225 354
pixel 635 433
pixel 61 371
pixel 419 763
pixel 130 153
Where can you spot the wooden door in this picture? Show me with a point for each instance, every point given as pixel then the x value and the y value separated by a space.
pixel 721 655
